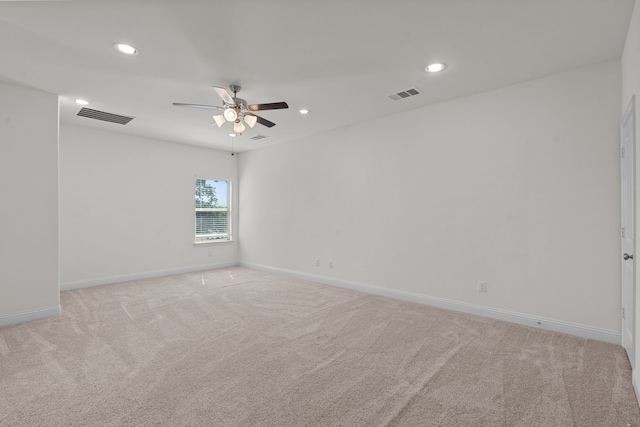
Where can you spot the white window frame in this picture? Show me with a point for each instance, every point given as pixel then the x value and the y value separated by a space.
pixel 214 237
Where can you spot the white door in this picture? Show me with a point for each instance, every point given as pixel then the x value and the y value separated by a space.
pixel 627 149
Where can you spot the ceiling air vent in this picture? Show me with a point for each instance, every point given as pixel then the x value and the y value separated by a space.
pixel 257 137
pixel 405 94
pixel 105 117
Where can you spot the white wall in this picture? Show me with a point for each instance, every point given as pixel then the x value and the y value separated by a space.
pixel 127 206
pixel 630 87
pixel 28 204
pixel 518 187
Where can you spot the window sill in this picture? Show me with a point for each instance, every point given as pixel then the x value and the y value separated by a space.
pixel 213 242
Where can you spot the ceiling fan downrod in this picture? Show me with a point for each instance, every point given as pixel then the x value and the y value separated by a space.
pixel 235 89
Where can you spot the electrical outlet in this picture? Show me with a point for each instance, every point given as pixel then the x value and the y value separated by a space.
pixel 482 286
pixel 317 262
pixel 330 264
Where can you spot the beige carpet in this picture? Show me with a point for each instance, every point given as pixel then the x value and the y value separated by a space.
pixel 237 347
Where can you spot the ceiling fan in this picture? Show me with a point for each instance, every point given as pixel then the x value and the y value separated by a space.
pixel 236 110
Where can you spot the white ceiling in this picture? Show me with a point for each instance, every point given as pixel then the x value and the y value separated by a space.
pixel 341 59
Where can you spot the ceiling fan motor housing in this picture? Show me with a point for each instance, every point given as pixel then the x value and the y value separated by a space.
pixel 241 104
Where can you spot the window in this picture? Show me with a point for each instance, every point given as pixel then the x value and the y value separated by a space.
pixel 213 210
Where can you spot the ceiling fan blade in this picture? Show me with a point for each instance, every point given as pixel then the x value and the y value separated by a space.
pixel 271 106
pixel 265 122
pixel 222 92
pixel 208 107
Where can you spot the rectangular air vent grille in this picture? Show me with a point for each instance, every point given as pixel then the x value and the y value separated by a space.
pixel 257 137
pixel 405 94
pixel 103 116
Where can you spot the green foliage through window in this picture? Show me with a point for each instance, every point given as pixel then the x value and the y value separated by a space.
pixel 212 220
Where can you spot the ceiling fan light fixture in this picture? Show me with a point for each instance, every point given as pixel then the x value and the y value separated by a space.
pixel 220 120
pixel 250 120
pixel 238 126
pixel 230 114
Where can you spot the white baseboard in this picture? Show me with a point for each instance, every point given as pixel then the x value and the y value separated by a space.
pixel 145 275
pixel 27 316
pixel 494 313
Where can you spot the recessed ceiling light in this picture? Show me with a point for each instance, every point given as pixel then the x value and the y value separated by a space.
pixel 232 135
pixel 81 102
pixel 304 111
pixel 434 68
pixel 125 48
